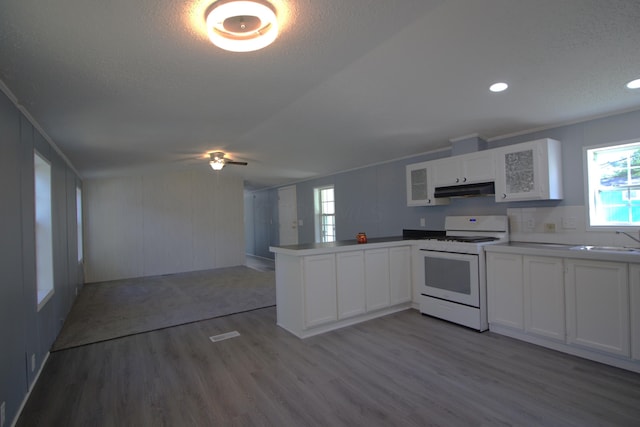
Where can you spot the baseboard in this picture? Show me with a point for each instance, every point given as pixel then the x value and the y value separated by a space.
pixel 33 384
pixel 611 360
pixel 321 329
pixel 260 257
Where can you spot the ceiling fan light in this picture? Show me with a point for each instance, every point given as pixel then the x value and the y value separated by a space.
pixel 241 25
pixel 216 164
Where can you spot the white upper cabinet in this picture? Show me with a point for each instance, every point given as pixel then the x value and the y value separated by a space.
pixel 419 186
pixel 465 169
pixel 529 171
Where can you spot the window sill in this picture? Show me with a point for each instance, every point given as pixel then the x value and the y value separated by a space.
pixel 44 297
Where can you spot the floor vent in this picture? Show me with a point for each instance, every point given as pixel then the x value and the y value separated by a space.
pixel 225 336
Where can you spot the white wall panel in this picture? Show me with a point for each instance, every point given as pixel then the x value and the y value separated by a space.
pixel 162 224
pixel 229 222
pixel 203 213
pixel 113 228
pixel 167 228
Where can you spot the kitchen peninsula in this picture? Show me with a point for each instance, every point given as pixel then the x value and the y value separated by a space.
pixel 326 286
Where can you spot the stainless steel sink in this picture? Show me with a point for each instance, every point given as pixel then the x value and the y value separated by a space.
pixel 606 249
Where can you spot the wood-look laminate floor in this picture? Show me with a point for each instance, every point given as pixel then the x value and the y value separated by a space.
pixel 402 369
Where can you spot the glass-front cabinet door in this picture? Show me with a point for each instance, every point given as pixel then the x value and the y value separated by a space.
pixel 529 171
pixel 420 186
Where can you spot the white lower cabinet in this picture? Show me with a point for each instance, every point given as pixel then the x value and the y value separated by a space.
pixel 526 293
pixel 544 297
pixel 320 299
pixel 376 273
pixel 586 307
pixel 350 281
pixel 505 290
pixel 597 295
pixel 316 293
pixel 634 284
pixel 400 274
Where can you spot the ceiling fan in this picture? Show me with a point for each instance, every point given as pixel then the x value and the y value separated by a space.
pixel 218 161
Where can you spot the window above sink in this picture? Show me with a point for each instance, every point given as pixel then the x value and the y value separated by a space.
pixel 613 184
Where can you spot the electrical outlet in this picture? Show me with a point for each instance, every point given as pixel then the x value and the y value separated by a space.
pixel 549 227
pixel 530 224
pixel 33 362
pixel 422 222
pixel 3 413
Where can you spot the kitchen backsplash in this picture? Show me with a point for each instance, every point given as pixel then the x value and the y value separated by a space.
pixel 562 224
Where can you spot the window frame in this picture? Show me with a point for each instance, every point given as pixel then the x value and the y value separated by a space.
pixel 79 231
pixel 319 215
pixel 45 286
pixel 590 187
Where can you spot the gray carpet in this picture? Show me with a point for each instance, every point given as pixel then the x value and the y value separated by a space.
pixel 109 310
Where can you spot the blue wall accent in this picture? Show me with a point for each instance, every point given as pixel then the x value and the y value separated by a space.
pixel 23 330
pixel 373 199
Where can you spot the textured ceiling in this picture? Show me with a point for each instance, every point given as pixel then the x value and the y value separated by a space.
pixel 125 86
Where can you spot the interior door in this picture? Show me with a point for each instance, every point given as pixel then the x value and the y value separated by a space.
pixel 288 215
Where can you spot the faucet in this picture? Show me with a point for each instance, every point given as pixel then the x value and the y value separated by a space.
pixel 628 235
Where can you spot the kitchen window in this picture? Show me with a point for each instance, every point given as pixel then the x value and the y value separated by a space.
pixel 613 185
pixel 325 214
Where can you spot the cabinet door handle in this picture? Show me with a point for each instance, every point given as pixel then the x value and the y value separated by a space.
pixel 504 196
pixel 429 201
pixel 457 180
pixel 464 179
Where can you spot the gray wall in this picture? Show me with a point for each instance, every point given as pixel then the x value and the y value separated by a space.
pixel 373 199
pixel 23 330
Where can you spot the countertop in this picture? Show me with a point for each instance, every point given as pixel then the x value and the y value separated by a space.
pixel 341 246
pixel 523 248
pixel 561 250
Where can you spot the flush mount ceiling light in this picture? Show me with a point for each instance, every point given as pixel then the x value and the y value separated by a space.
pixel 498 87
pixel 241 25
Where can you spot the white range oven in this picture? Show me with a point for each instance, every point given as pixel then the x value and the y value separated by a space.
pixel 450 269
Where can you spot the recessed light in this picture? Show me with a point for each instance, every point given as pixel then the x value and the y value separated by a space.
pixel 241 25
pixel 498 87
pixel 634 84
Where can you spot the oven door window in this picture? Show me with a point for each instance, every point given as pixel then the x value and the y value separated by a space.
pixel 452 277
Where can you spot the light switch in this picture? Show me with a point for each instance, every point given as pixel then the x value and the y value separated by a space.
pixel 569 223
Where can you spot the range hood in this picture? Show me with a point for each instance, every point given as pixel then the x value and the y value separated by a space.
pixel 466 190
